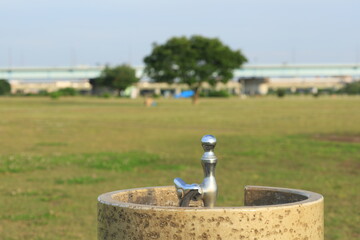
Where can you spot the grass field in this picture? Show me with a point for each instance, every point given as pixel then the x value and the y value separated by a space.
pixel 57 156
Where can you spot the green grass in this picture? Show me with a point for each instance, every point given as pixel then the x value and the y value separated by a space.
pixel 80 180
pixel 56 157
pixel 109 161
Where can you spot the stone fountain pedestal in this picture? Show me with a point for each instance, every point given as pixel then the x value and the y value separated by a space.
pixel 268 213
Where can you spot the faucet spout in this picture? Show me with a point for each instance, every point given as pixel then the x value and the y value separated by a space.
pixel 187 192
pixel 207 190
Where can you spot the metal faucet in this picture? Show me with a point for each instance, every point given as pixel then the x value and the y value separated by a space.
pixel 207 190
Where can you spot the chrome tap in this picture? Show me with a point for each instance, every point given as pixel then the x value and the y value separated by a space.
pixel 207 190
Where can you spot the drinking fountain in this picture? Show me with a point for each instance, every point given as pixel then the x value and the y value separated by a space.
pixel 188 211
pixel 207 190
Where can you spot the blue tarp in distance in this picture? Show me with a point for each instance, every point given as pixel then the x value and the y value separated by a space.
pixel 185 94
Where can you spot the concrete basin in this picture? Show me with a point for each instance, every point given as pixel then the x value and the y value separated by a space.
pixel 268 213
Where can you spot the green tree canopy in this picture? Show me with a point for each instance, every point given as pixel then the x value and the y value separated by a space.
pixel 192 61
pixel 351 88
pixel 119 77
pixel 5 87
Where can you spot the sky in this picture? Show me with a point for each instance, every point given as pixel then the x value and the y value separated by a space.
pixel 98 32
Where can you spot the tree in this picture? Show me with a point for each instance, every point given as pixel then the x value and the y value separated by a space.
pixel 352 88
pixel 5 87
pixel 280 92
pixel 118 78
pixel 193 61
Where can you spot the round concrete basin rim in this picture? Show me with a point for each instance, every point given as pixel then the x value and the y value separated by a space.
pixel 309 198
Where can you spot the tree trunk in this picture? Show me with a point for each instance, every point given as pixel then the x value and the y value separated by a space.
pixel 195 98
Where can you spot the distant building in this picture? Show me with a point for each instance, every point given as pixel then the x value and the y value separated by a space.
pixel 261 86
pixel 254 85
pixel 36 87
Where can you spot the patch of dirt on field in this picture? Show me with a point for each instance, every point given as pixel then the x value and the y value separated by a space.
pixel 339 138
pixel 351 167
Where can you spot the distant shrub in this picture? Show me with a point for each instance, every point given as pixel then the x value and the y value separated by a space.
pixel 43 93
pixel 271 91
pixel 105 95
pixel 317 94
pixel 5 87
pixel 327 91
pixel 68 91
pixel 156 95
pixel 214 93
pixel 61 92
pixel 280 92
pixel 54 95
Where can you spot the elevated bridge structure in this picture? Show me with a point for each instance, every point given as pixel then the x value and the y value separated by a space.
pixel 81 73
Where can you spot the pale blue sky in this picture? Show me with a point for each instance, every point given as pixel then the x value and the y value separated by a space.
pixel 89 32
